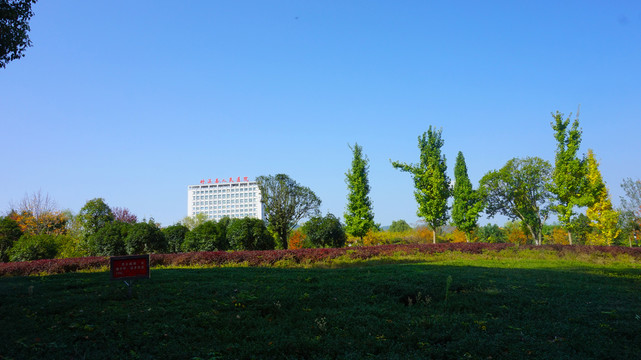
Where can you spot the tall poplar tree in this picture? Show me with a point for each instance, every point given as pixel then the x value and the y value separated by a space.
pixel 430 180
pixel 359 217
pixel 468 202
pixel 568 183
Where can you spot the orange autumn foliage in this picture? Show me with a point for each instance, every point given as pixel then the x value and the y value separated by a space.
pixel 52 223
pixel 457 236
pixel 424 234
pixel 296 240
pixel 559 236
pixel 515 234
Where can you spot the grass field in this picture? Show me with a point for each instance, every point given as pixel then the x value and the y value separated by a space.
pixel 529 305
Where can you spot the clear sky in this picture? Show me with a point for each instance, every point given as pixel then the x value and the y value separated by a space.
pixel 133 101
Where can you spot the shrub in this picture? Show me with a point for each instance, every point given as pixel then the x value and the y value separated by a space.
pixel 34 247
pixel 175 236
pixel 249 234
pixel 310 256
pixel 145 238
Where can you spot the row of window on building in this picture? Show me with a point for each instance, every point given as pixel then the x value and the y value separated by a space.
pixel 225 199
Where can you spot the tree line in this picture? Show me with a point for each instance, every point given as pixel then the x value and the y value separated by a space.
pixel 37 230
pixel 525 190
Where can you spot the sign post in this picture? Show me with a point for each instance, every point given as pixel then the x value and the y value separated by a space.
pixel 129 268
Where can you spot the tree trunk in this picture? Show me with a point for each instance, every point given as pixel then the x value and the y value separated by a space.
pixel 283 239
pixel 534 238
pixel 570 237
pixel 434 236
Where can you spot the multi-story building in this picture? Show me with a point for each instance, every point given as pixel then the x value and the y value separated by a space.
pixel 217 198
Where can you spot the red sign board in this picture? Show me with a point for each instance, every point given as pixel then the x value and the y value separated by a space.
pixel 129 267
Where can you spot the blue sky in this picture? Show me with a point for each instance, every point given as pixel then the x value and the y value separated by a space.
pixel 132 101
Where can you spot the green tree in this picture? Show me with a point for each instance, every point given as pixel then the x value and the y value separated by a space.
pixel 430 180
pixel 491 233
pixel 208 236
pixel 94 216
pixel 582 229
pixel 191 222
pixel 9 233
pixel 145 238
pixel 175 235
pixel 568 183
pixel 109 240
pixel 286 203
pixel 359 217
pixel 468 202
pixel 519 190
pixel 399 226
pixel 249 234
pixel 324 231
pixel 34 247
pixel 14 29
pixel 70 247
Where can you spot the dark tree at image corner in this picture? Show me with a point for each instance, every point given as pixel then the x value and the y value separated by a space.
pixel 14 29
pixel 286 202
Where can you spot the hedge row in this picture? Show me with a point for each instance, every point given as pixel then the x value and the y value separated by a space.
pixel 270 257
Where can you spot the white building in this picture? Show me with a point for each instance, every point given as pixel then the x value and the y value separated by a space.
pixel 217 198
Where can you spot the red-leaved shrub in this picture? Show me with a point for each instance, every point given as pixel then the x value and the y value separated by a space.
pixel 270 257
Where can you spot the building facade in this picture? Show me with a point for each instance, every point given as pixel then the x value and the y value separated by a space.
pixel 232 197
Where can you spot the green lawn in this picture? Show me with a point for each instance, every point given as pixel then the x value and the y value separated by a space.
pixel 501 308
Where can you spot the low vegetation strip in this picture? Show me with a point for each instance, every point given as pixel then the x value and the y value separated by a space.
pixel 300 256
pixel 508 304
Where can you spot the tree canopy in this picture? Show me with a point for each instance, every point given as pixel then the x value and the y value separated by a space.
pixel 324 231
pixel 399 226
pixel 14 29
pixel 631 202
pixel 249 234
pixel 9 233
pixel 208 236
pixel 191 222
pixel 286 203
pixel 94 215
pixel 519 190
